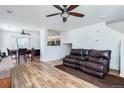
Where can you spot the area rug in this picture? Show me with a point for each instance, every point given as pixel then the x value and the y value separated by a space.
pixel 110 81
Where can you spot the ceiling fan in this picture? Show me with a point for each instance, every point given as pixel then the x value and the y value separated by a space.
pixel 24 33
pixel 66 12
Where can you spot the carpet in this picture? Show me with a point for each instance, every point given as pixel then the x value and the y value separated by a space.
pixel 110 81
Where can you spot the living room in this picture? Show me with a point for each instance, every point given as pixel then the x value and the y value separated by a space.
pixel 64 46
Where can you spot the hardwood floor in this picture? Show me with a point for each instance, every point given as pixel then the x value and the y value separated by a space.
pixel 43 75
pixel 114 72
pixel 5 83
pixel 5 78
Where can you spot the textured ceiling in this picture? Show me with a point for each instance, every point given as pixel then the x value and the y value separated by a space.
pixel 33 17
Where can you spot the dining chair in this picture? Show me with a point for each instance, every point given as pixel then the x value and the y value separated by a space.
pixel 30 54
pixel 12 53
pixel 22 52
pixel 8 51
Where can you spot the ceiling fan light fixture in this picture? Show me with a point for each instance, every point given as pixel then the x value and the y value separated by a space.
pixel 64 15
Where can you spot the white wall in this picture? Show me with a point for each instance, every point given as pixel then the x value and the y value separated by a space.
pixel 0 40
pixel 53 33
pixel 35 40
pixel 66 37
pixel 122 59
pixel 49 53
pixel 97 36
pixel 6 39
pixel 119 26
pixel 56 52
pixel 43 44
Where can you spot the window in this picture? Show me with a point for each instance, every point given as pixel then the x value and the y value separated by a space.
pixel 20 42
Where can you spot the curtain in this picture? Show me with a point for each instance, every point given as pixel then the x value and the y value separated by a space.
pixel 14 43
pixel 20 42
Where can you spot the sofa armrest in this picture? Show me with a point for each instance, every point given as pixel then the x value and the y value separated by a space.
pixel 65 57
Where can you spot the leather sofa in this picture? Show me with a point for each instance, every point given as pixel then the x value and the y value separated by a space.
pixel 0 56
pixel 91 61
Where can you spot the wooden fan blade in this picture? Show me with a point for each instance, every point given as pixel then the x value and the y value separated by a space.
pixel 58 7
pixel 52 14
pixel 27 33
pixel 76 14
pixel 71 7
pixel 64 19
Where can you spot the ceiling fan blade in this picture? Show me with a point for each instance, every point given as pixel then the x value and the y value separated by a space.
pixel 52 14
pixel 58 7
pixel 23 33
pixel 27 33
pixel 71 7
pixel 76 14
pixel 64 19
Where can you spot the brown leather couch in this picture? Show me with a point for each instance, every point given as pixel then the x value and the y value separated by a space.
pixel 94 62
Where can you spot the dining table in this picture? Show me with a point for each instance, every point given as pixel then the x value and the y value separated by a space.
pixel 29 52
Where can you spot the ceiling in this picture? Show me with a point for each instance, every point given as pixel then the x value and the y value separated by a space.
pixel 32 17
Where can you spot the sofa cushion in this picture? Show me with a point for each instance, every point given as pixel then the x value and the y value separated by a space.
pixel 83 58
pixel 97 60
pixel 76 52
pixel 83 63
pixel 94 66
pixel 79 52
pixel 99 53
pixel 70 60
pixel 84 52
pixel 69 65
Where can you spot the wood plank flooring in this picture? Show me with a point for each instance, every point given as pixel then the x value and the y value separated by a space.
pixel 5 67
pixel 43 75
pixel 5 83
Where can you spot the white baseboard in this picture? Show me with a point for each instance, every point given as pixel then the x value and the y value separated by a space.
pixel 122 75
pixel 50 60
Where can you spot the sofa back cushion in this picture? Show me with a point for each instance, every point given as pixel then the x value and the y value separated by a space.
pixel 84 52
pixel 76 52
pixel 82 58
pixel 97 60
pixel 79 52
pixel 100 53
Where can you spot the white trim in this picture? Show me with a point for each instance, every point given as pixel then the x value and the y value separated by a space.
pixel 49 60
pixel 121 75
